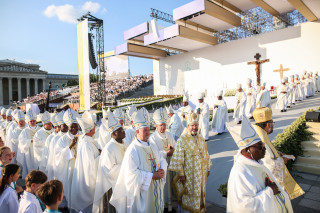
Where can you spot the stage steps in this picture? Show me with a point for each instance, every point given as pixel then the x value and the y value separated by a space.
pixel 310 161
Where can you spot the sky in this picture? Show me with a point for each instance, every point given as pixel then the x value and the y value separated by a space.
pixel 44 32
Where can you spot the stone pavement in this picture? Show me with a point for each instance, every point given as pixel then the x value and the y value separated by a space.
pixel 222 148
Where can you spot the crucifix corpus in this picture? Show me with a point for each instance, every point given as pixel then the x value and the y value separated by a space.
pixel 281 70
pixel 257 62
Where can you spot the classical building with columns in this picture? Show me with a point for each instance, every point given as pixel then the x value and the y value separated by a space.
pixel 20 80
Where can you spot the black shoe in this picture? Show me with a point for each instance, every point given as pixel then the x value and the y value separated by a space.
pixel 285 110
pixel 281 110
pixel 294 103
pixel 219 134
pixel 251 117
pixel 288 106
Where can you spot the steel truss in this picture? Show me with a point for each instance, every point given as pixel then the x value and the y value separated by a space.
pixel 258 21
pixel 96 25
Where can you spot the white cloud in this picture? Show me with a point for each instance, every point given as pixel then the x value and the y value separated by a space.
pixel 68 13
pixel 91 6
pixel 103 11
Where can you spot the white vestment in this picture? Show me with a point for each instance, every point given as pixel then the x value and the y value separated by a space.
pixel 51 165
pixel 318 83
pixel 264 99
pixel 104 136
pixel 247 192
pixel 29 203
pixel 9 202
pixel 108 171
pixel 289 94
pixel 64 163
pixel 314 79
pixel 27 149
pixel 130 134
pixel 175 126
pixel 203 120
pixel 300 90
pixel 45 153
pixel 85 173
pixel 239 109
pixel 163 141
pixel 311 86
pixel 39 141
pixel 13 125
pixel 3 133
pixel 135 190
pixel 14 142
pixel 220 117
pixel 282 99
pixel 306 87
pixel 251 101
pixel 184 111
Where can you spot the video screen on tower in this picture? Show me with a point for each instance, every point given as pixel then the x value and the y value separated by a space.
pixel 116 67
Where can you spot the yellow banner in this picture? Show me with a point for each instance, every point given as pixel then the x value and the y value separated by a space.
pixel 83 64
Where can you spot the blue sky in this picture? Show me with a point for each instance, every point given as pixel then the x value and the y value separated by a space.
pixel 44 31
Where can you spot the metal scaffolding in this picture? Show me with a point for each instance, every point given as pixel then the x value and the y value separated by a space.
pixel 257 21
pixel 96 25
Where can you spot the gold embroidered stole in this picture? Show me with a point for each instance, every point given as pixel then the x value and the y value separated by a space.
pixel 290 185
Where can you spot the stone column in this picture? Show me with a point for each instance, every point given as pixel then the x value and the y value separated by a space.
pixel 28 86
pixel 10 90
pixel 36 86
pixel 19 89
pixel 1 92
pixel 44 84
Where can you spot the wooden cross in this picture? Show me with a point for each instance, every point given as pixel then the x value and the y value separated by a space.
pixel 281 70
pixel 257 62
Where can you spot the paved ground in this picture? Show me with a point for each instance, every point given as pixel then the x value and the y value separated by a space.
pixel 222 148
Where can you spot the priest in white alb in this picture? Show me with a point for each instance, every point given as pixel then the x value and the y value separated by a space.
pixel 251 94
pixel 51 165
pixel 166 144
pixel 26 142
pixel 220 114
pixel 293 87
pixel 175 125
pixel 282 99
pixel 240 105
pixel 45 153
pixel 66 154
pixel 263 98
pixel 184 110
pixel 251 186
pixel 10 121
pixel 191 162
pixel 139 187
pixel 109 166
pixel 131 131
pixel 86 167
pixel 14 137
pixel 300 89
pixel 202 109
pixel 40 138
pixel 13 125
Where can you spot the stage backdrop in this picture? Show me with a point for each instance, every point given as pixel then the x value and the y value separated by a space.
pixel 116 67
pixel 83 64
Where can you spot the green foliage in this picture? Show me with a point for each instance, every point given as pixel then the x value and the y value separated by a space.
pixel 223 189
pixel 72 83
pixel 93 78
pixel 274 97
pixel 289 141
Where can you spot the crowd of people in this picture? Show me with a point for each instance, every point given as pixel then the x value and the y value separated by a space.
pixel 120 88
pixel 72 164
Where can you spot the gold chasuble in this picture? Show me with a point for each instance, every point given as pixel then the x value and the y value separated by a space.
pixel 290 185
pixel 191 159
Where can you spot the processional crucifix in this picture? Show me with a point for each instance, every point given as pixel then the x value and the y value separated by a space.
pixel 257 62
pixel 281 70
